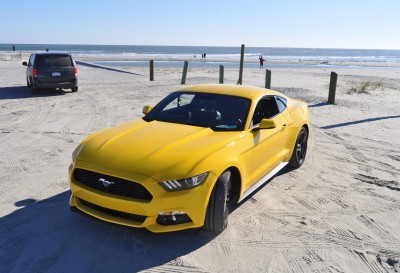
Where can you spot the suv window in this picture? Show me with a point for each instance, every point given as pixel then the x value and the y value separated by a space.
pixel 48 61
pixel 31 60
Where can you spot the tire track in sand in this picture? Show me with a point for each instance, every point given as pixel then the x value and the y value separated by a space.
pixel 373 266
pixel 41 110
pixel 97 115
pixel 376 229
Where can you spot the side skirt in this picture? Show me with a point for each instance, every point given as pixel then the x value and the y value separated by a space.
pixel 263 180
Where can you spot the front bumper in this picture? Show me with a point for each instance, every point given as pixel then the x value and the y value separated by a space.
pixel 140 213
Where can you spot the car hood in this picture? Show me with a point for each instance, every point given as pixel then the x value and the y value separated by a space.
pixel 156 149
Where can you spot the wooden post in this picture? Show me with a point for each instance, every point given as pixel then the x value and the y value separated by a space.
pixel 267 79
pixel 240 80
pixel 332 88
pixel 185 68
pixel 151 70
pixel 221 74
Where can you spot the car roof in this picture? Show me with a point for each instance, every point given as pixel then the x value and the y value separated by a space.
pixel 52 53
pixel 250 92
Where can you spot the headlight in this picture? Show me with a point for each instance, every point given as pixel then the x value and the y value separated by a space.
pixel 184 184
pixel 76 152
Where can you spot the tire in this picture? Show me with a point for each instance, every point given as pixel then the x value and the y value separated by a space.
pixel 74 89
pixel 300 149
pixel 34 89
pixel 218 211
pixel 27 83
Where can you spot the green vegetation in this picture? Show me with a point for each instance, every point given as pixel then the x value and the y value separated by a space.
pixel 366 87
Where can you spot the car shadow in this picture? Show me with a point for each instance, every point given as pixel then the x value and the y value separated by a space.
pixel 358 122
pixel 319 104
pixel 106 68
pixel 22 92
pixel 43 236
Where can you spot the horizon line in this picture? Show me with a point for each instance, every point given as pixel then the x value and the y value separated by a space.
pixel 165 45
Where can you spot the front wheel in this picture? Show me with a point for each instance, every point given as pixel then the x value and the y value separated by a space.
pixel 217 211
pixel 300 149
pixel 74 89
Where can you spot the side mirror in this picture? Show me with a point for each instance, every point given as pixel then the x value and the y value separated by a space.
pixel 146 109
pixel 267 124
pixel 25 63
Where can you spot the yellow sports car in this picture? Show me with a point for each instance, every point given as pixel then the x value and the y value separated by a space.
pixel 199 149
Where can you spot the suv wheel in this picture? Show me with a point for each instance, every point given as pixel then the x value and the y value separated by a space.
pixel 33 90
pixel 74 89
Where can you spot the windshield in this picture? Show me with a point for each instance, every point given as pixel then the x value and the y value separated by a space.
pixel 216 111
pixel 48 61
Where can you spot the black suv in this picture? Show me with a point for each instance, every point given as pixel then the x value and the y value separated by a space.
pixel 51 70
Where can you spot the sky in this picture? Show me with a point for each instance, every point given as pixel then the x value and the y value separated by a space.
pixel 370 24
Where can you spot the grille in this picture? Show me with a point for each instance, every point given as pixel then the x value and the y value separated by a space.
pixel 115 213
pixel 117 186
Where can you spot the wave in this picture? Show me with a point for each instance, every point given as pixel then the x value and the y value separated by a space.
pixel 228 54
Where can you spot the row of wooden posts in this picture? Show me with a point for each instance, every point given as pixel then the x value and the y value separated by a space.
pixel 332 84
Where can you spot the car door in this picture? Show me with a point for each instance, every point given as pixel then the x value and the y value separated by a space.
pixel 270 145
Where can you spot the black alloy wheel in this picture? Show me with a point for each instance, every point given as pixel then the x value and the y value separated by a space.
pixel 300 149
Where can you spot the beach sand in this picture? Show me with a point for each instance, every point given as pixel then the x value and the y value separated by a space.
pixel 340 212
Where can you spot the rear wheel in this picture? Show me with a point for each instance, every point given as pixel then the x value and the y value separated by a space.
pixel 300 149
pixel 74 89
pixel 33 87
pixel 27 82
pixel 217 211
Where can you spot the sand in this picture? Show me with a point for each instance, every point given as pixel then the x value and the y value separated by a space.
pixel 340 212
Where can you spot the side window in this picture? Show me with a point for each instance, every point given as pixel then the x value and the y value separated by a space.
pixel 281 103
pixel 31 60
pixel 266 108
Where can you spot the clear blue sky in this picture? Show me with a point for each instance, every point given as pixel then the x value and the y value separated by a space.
pixel 264 23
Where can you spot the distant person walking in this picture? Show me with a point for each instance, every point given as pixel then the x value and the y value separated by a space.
pixel 261 61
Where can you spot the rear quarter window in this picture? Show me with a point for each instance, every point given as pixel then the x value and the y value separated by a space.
pixel 281 103
pixel 49 61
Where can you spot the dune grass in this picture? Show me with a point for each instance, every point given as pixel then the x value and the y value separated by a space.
pixel 365 87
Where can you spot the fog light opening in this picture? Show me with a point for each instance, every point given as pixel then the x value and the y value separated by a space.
pixel 172 218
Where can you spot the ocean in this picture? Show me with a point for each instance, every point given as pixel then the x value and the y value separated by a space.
pixel 228 55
